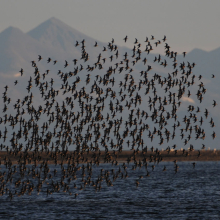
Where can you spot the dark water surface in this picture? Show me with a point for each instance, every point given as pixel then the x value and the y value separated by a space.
pixel 188 194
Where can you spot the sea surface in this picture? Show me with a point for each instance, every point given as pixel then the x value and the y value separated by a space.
pixel 191 193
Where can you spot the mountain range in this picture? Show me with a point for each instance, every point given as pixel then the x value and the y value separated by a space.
pixel 56 40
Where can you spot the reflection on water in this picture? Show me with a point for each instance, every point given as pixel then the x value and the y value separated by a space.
pixel 188 194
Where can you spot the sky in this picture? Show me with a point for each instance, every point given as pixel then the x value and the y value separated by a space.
pixel 187 24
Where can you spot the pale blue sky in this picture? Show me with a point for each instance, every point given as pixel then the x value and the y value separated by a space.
pixel 187 24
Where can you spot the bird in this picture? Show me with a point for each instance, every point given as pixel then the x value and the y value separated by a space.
pixel 66 64
pixel 126 38
pixel 214 103
pixel 213 135
pixel 21 71
pixel 164 38
pixel 39 58
pixel 164 169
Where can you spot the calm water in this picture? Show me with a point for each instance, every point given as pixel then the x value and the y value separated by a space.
pixel 188 194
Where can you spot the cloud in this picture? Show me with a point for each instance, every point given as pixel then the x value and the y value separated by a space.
pixel 186 99
pixel 17 75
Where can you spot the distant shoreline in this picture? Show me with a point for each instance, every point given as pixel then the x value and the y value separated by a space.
pixel 109 157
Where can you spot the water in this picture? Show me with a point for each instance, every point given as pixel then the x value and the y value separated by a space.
pixel 188 194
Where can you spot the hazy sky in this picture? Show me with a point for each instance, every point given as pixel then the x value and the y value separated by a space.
pixel 187 24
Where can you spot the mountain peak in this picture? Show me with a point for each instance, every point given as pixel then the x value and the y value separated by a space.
pixel 55 33
pixel 55 21
pixel 197 51
pixel 52 21
pixel 10 36
pixel 10 31
pixel 51 25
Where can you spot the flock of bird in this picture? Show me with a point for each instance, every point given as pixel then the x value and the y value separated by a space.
pixel 114 107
